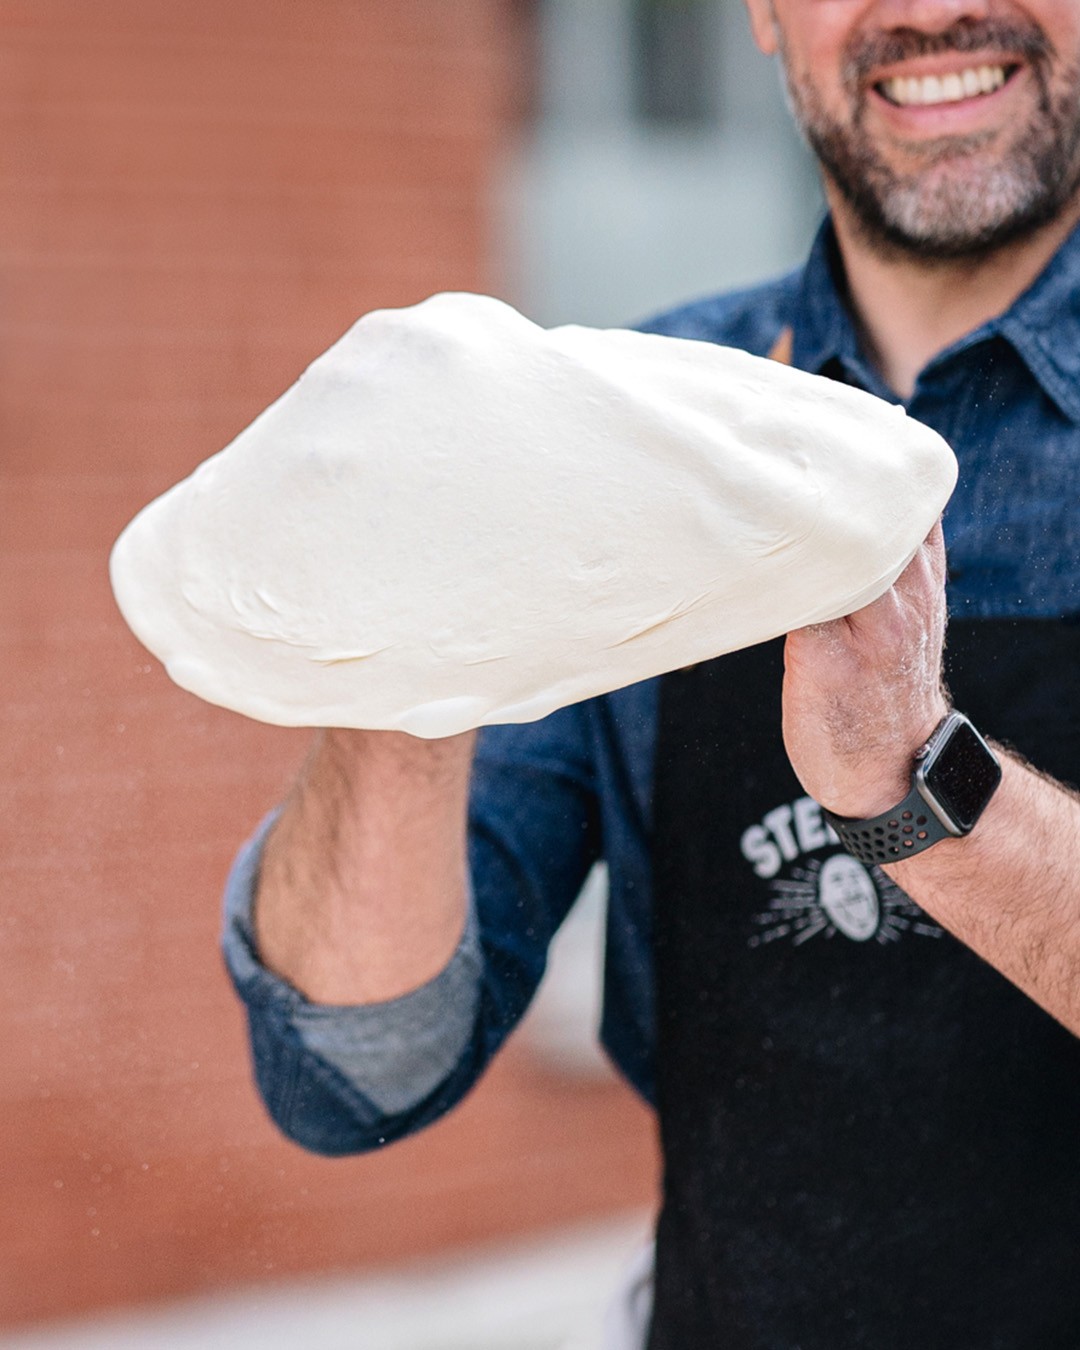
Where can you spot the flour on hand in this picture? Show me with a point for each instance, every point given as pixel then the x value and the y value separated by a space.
pixel 456 517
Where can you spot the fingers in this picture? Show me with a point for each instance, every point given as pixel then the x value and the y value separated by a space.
pixel 914 603
pixel 925 574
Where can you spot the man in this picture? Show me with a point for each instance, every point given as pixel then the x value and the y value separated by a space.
pixel 869 1100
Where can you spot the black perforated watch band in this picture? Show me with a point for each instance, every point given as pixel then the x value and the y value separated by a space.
pixel 900 833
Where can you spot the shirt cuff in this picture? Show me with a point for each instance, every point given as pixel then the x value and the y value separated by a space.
pixel 397 1052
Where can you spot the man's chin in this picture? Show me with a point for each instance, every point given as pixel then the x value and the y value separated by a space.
pixel 948 232
pixel 963 206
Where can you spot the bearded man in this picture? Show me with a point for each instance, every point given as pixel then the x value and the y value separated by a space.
pixel 864 1062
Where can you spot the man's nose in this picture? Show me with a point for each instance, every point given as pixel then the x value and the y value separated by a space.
pixel 929 16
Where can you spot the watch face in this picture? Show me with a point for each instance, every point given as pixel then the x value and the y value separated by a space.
pixel 963 775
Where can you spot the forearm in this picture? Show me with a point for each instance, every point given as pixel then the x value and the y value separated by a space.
pixel 362 889
pixel 1011 889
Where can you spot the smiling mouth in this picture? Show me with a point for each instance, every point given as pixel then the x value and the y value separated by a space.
pixel 922 91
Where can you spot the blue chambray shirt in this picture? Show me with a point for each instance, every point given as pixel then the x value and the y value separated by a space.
pixel 552 797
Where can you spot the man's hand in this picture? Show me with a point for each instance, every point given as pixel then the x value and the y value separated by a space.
pixel 861 694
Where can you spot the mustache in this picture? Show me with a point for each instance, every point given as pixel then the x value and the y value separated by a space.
pixel 869 51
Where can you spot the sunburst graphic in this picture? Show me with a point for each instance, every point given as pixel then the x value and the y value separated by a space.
pixel 839 895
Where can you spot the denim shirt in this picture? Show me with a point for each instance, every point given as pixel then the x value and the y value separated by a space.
pixel 550 798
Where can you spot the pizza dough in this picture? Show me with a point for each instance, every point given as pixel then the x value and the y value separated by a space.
pixel 456 517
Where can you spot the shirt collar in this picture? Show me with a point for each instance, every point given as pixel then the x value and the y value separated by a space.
pixel 1042 324
pixel 825 340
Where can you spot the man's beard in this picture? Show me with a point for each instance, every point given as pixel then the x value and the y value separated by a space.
pixel 931 213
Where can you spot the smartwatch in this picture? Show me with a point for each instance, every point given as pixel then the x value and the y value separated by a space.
pixel 955 775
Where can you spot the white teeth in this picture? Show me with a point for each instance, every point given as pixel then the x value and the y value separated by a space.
pixel 991 78
pixel 952 88
pixel 943 89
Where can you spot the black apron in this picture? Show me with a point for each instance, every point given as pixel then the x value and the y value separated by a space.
pixel 871 1138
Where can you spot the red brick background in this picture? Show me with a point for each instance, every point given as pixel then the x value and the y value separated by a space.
pixel 196 199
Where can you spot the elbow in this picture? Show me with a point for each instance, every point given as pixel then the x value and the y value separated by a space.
pixel 308 1100
pixel 316 1106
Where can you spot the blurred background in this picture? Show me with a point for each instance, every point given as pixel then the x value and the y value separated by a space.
pixel 197 198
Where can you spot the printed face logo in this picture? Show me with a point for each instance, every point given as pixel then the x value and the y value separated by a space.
pixel 848 897
pixel 838 895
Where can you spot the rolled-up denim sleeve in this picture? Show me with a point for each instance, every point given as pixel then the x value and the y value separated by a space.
pixel 389 1055
pixel 347 1079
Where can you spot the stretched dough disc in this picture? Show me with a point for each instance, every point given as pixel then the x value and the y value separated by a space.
pixel 456 517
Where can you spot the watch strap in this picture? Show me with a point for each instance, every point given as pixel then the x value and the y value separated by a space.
pixel 902 832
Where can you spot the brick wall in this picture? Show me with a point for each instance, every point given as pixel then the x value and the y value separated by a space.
pixel 196 199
